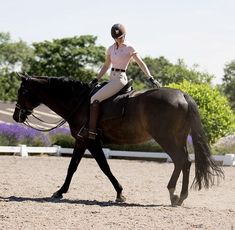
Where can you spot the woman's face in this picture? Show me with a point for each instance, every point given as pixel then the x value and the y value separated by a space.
pixel 120 40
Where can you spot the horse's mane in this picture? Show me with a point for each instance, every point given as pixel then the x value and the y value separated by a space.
pixel 65 86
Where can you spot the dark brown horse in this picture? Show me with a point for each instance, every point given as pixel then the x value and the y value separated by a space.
pixel 166 115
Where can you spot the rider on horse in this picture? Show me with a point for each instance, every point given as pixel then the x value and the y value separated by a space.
pixel 118 55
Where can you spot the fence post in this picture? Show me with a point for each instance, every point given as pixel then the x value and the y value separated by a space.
pixel 106 153
pixel 58 150
pixel 23 151
pixel 229 160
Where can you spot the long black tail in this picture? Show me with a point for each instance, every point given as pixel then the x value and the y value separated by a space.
pixel 206 171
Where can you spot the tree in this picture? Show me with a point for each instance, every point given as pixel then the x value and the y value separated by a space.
pixel 76 57
pixel 14 56
pixel 228 85
pixel 166 72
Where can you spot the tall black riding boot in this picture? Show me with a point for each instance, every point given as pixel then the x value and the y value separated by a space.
pixel 94 114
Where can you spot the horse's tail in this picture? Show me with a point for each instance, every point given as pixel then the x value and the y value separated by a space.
pixel 206 169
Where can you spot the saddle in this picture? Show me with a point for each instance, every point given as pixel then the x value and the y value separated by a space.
pixel 127 88
pixel 115 106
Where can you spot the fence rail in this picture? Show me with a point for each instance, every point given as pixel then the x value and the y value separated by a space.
pixel 24 151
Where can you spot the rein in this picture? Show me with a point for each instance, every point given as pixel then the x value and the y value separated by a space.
pixel 63 121
pixel 30 112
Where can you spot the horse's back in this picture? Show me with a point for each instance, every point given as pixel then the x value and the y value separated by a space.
pixel 173 97
pixel 131 103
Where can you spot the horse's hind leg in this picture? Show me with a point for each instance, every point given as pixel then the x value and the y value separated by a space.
pixel 181 162
pixel 97 152
pixel 186 172
pixel 184 190
pixel 78 153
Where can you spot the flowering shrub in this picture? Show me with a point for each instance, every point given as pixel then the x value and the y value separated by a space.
pixel 14 134
pixel 61 130
pixel 225 145
pixel 61 137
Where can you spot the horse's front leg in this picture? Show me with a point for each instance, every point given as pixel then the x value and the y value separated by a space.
pixel 96 150
pixel 78 153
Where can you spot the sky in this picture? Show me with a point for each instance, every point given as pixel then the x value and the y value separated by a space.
pixel 201 32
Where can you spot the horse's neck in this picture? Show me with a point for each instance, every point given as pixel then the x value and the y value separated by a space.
pixel 67 108
pixel 63 106
pixel 59 107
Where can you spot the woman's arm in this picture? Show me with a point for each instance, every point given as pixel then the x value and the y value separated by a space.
pixel 104 68
pixel 145 69
pixel 142 65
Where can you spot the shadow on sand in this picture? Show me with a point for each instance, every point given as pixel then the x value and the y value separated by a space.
pixel 82 202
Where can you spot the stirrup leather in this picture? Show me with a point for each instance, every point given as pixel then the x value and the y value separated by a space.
pixel 92 135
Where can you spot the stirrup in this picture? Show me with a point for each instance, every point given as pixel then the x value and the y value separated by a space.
pixel 83 133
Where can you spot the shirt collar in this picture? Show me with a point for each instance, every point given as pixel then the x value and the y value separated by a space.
pixel 125 43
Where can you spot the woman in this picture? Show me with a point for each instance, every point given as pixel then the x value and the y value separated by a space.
pixel 118 55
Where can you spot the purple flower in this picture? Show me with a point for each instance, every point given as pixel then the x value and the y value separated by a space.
pixel 61 130
pixel 19 134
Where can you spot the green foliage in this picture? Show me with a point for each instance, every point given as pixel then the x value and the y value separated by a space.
pixel 216 114
pixel 63 140
pixel 228 85
pixel 9 84
pixel 166 72
pixel 14 56
pixel 76 57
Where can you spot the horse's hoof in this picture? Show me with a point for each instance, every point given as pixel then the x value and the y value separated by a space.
pixel 182 198
pixel 57 195
pixel 180 202
pixel 120 199
pixel 174 200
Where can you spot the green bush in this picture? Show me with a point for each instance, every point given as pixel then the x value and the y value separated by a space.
pixel 62 139
pixel 216 114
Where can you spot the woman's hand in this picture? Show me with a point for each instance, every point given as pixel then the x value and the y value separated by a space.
pixel 93 83
pixel 154 82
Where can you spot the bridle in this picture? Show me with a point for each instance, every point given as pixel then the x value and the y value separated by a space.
pixel 28 112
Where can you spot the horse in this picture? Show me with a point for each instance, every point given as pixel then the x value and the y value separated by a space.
pixel 166 115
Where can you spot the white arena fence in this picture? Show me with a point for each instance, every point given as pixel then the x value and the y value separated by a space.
pixel 25 151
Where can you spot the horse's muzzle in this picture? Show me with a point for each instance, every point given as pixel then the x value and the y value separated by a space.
pixel 20 114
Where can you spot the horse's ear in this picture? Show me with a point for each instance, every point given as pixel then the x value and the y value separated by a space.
pixel 23 77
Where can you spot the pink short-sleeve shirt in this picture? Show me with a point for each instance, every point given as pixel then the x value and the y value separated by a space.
pixel 121 56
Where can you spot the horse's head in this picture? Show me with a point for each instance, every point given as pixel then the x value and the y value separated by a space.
pixel 26 100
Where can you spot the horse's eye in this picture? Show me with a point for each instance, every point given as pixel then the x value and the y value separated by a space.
pixel 23 91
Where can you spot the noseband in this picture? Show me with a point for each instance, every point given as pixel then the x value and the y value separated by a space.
pixel 23 111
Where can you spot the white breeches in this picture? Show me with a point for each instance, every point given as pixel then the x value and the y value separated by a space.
pixel 117 81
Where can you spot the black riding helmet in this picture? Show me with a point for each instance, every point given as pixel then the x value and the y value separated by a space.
pixel 118 30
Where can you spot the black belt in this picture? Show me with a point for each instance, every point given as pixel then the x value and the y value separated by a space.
pixel 118 70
